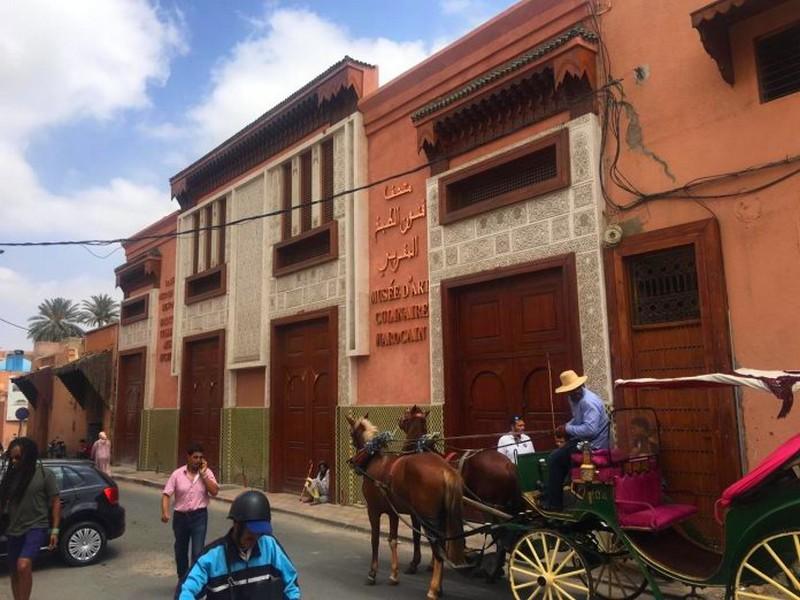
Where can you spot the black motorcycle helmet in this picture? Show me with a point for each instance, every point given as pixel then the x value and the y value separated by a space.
pixel 252 509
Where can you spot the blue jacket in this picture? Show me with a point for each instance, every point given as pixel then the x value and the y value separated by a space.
pixel 589 420
pixel 267 575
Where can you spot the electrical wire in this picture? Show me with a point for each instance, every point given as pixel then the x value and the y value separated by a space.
pixel 101 256
pixel 13 324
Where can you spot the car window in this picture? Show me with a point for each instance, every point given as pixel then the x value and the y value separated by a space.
pixel 87 475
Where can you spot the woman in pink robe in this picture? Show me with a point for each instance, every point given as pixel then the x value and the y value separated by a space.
pixel 101 453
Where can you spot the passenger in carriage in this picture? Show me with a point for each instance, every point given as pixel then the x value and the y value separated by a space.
pixel 515 442
pixel 645 441
pixel 589 423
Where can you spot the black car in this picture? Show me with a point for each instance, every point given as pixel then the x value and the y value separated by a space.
pixel 90 511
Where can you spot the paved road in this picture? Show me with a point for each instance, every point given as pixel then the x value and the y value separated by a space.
pixel 332 562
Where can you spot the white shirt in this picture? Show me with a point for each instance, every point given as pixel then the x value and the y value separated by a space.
pixel 512 448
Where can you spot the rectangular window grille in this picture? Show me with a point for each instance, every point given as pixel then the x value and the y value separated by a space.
pixel 310 248
pixel 305 191
pixel 521 174
pixel 133 310
pixel 326 177
pixel 286 199
pixel 207 276
pixel 664 286
pixel 778 62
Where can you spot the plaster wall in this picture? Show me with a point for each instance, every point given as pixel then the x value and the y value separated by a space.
pixel 696 125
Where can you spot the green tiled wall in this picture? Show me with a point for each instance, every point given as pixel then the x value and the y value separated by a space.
pixel 245 446
pixel 385 418
pixel 158 444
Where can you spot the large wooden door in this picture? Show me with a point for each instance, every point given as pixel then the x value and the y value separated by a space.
pixel 304 399
pixel 129 407
pixel 508 339
pixel 202 397
pixel 668 289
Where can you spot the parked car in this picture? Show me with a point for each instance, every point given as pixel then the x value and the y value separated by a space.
pixel 91 514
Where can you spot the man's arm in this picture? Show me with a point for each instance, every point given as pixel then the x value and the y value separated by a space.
pixel 195 581
pixel 209 481
pixel 291 591
pixel 590 427
pixel 164 508
pixel 56 511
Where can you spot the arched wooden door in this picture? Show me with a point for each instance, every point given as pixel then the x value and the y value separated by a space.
pixel 202 396
pixel 130 398
pixel 508 336
pixel 304 392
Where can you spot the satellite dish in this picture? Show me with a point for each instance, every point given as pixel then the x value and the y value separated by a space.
pixel 22 413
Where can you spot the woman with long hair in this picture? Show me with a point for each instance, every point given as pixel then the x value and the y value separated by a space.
pixel 28 493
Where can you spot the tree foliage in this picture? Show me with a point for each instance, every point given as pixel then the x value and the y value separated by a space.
pixel 99 311
pixel 57 320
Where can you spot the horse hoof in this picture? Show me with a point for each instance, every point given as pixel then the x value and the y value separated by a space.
pixel 393 581
pixel 411 570
pixel 370 580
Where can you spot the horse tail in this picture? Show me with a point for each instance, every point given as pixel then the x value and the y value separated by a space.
pixel 454 520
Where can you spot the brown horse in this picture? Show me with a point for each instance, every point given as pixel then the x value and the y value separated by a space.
pixel 421 484
pixel 489 477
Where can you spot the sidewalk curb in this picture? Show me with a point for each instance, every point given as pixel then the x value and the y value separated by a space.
pixel 316 518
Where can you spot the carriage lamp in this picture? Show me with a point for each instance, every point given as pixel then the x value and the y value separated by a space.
pixel 588 470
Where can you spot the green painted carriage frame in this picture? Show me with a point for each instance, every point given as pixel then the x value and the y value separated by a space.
pixel 771 509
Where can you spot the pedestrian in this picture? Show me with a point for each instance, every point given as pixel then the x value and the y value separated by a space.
pixel 315 490
pixel 192 485
pixel 515 442
pixel 589 423
pixel 101 453
pixel 28 494
pixel 248 562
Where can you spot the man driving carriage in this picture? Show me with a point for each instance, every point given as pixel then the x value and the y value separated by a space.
pixel 589 423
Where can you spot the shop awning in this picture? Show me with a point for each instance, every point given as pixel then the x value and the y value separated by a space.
pixel 36 386
pixel 88 379
pixel 714 20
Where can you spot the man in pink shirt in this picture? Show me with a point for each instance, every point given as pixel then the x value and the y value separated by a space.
pixel 192 485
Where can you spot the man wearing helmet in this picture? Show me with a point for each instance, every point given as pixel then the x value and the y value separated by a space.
pixel 247 563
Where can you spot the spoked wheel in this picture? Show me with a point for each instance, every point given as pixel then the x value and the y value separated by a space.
pixel 618 576
pixel 771 570
pixel 547 565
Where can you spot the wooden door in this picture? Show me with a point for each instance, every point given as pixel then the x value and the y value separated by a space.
pixel 668 298
pixel 304 400
pixel 508 339
pixel 129 407
pixel 202 397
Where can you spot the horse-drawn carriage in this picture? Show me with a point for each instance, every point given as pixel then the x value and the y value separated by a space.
pixel 621 536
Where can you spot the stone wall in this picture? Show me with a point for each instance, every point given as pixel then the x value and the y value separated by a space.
pixel 158 447
pixel 566 221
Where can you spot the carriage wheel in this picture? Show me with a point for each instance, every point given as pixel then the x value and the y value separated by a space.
pixel 771 570
pixel 547 565
pixel 618 577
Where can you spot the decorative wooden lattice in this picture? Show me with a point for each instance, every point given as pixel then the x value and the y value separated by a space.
pixel 664 286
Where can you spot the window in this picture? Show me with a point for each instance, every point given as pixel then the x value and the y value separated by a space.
pixel 133 310
pixel 664 286
pixel 308 232
pixel 207 277
pixel 778 63
pixel 521 174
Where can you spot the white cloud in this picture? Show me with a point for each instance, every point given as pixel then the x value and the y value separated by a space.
pixel 64 61
pixel 288 49
pixel 20 296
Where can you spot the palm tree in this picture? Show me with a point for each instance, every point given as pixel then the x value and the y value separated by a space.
pixel 99 311
pixel 57 320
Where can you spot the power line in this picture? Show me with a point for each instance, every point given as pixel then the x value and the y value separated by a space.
pixel 13 324
pixel 107 242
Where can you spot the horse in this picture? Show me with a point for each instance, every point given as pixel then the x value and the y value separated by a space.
pixel 489 477
pixel 420 484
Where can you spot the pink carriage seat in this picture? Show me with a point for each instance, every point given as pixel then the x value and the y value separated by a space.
pixel 602 458
pixel 777 459
pixel 638 500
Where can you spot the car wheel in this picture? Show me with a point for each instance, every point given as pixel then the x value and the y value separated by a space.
pixel 82 544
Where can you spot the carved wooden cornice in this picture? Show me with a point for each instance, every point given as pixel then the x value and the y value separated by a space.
pixel 555 76
pixel 326 99
pixel 143 270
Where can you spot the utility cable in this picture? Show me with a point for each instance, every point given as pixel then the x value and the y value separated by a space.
pixel 13 324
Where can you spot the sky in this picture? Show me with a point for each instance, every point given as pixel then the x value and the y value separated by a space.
pixel 102 101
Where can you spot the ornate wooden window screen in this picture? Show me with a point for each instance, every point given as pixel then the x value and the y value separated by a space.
pixel 286 199
pixel 305 191
pixel 134 309
pixel 778 62
pixel 518 175
pixel 664 286
pixel 207 276
pixel 326 153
